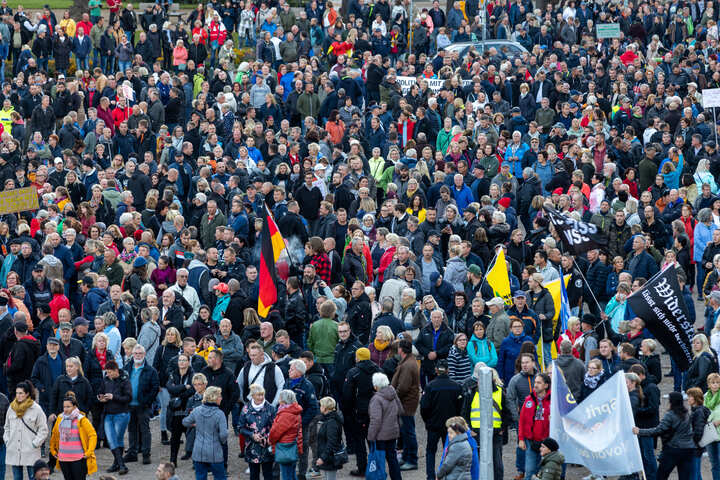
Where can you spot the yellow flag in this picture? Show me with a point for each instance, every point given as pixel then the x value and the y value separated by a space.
pixel 498 279
pixel 553 288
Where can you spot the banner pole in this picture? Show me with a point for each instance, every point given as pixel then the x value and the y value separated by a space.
pixel 587 283
pixel 492 264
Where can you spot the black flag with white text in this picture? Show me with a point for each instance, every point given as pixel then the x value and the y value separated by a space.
pixel 576 236
pixel 661 305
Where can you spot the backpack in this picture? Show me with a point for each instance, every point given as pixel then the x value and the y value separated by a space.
pixel 317 378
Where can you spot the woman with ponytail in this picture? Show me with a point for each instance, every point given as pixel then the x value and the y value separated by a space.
pixel 73 441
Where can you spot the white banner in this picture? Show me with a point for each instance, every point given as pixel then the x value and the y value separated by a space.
pixel 596 433
pixel 434 84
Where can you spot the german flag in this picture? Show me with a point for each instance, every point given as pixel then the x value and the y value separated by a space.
pixel 271 246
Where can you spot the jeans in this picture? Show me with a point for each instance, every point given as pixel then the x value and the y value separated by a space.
pixel 202 469
pixel 108 63
pixel 83 62
pixel 713 451
pixel 139 431
pixel 164 399
pixel 682 458
pixel 647 450
pixel 430 450
pixel 391 458
pixel 498 468
pixel 18 472
pixel 303 457
pixel 678 376
pixel 267 470
pixel 96 57
pixel 115 426
pixel 410 445
pixel 532 461
pixel 697 468
pixel 520 460
pixel 287 471
pixel 699 279
pixel 122 66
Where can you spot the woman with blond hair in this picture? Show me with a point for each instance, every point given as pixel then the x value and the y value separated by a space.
pixel 211 433
pixel 72 380
pixel 254 424
pixel 704 362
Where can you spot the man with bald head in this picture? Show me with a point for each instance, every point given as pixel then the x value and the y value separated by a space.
pixel 267 337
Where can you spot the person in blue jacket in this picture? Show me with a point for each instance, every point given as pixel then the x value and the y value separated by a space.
pixel 515 152
pixel 441 290
pixel 510 349
pixel 461 193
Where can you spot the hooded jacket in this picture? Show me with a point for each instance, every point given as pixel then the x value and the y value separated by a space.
pixel 329 439
pixel 21 359
pixel 287 426
pixel 458 459
pixel 92 301
pixel 358 390
pixel 509 351
pixel 551 466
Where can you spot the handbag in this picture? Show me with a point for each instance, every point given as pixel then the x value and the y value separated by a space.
pixel 286 453
pixel 340 457
pixel 175 403
pixel 710 435
pixel 376 464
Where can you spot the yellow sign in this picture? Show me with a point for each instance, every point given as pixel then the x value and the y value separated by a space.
pixel 18 200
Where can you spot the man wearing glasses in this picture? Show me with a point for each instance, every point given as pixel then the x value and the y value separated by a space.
pixel 183 290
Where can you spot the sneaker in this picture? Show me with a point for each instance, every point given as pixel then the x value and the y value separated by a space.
pixel 408 466
pixel 357 473
pixel 247 471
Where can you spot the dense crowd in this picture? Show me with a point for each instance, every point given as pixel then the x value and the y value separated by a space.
pixel 395 171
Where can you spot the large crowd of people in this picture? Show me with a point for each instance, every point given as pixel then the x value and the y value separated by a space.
pixel 395 170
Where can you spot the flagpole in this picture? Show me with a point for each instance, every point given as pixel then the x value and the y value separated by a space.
pixel 587 283
pixel 492 264
pixel 289 255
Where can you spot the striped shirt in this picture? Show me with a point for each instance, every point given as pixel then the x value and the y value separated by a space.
pixel 71 448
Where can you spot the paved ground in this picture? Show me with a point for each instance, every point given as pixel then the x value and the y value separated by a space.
pixel 237 466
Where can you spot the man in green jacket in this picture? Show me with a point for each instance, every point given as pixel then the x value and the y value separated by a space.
pixel 209 222
pixel 324 336
pixel 308 103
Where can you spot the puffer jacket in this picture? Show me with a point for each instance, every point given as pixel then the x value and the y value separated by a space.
pixel 329 439
pixel 287 426
pixel 675 430
pixel 551 466
pixel 458 459
pixel 210 433
pixel 456 273
pixel 384 409
pixel 121 391
pixel 80 386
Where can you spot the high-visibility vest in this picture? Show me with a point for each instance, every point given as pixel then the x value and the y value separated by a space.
pixel 497 410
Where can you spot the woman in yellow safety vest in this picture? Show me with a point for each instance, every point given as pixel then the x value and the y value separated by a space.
pixel 501 417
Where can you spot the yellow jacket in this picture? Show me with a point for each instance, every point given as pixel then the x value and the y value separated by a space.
pixel 69 25
pixel 88 438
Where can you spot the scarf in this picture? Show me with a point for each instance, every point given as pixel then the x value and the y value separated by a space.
pixel 21 408
pixel 101 358
pixel 380 345
pixel 712 400
pixel 257 406
pixel 66 425
pixel 592 381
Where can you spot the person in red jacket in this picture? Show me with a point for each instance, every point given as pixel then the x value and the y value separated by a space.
pixel 287 428
pixel 534 423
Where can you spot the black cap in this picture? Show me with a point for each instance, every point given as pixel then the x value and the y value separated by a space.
pixel 21 327
pixel 88 280
pixel 551 444
pixel 280 349
pixel 441 365
pixel 433 233
pixel 53 340
pixel 471 209
pixel 590 319
pixel 44 308
pixel 81 321
pixel 88 162
pixel 38 268
pixel 515 110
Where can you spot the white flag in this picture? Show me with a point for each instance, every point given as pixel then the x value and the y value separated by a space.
pixel 597 432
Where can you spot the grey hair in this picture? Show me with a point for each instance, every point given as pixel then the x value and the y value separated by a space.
pixel 380 380
pixel 299 366
pixel 146 290
pixel 287 396
pixel 704 215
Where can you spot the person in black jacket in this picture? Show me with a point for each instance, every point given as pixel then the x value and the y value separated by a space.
pixel 295 312
pixel 704 363
pixel 93 368
pixel 70 347
pixel 74 380
pixel 353 265
pixel 139 438
pixel 359 313
pixel 171 313
pixel 432 350
pixel 357 392
pixel 291 225
pixel 21 359
pixel 179 386
pixel 114 395
pixel 344 359
pixel 329 437
pixel 441 400
pixel 647 415
pixel 47 368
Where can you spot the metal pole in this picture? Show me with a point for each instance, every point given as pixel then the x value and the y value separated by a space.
pixel 716 125
pixel 485 437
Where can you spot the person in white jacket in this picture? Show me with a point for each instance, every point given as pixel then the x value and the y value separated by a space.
pixel 25 430
pixel 181 287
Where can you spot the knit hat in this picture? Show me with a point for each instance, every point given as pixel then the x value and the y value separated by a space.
pixel 504 202
pixel 362 354
pixel 551 444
